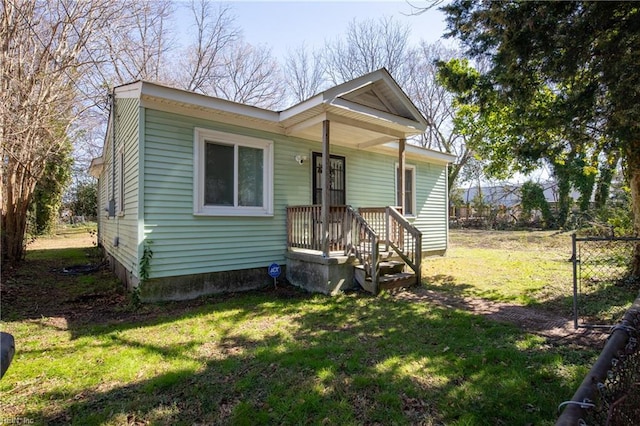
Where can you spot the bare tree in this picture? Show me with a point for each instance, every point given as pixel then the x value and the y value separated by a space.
pixel 436 104
pixel 42 58
pixel 251 76
pixel 216 34
pixel 138 44
pixel 369 45
pixel 303 73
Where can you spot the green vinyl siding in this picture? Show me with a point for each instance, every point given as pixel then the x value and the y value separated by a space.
pixel 185 244
pixel 123 227
pixel 371 183
pixel 431 205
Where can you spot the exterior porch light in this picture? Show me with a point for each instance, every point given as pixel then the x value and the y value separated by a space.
pixel 301 158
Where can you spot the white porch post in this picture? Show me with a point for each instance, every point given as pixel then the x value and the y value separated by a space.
pixel 401 182
pixel 325 188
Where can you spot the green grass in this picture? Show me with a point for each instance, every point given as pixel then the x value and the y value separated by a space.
pixel 85 356
pixel 531 268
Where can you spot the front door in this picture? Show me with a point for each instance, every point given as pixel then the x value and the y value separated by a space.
pixel 337 181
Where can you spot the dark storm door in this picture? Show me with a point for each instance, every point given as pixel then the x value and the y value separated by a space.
pixel 337 180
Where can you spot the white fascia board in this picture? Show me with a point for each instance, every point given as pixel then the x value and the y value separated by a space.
pixel 440 157
pixel 208 102
pixel 336 92
pixel 351 85
pixel 406 101
pixel 301 107
pixel 96 167
pixel 128 91
pixel 413 127
pixel 368 79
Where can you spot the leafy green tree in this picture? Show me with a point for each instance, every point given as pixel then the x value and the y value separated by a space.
pixel 533 198
pixel 567 75
pixel 47 196
pixel 85 200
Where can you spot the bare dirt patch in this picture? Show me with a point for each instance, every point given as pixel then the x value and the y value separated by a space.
pixel 77 240
pixel 555 328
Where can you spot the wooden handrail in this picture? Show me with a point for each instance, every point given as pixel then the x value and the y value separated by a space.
pixel 405 239
pixel 349 233
pixel 357 234
pixel 363 244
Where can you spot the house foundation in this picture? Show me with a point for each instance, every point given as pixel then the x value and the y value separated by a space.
pixel 186 287
pixel 312 271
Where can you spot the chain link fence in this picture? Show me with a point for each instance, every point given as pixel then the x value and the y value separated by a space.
pixel 601 279
pixel 610 393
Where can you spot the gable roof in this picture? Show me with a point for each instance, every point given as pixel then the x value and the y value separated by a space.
pixel 370 112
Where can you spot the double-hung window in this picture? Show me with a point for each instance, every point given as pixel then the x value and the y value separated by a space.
pixel 233 174
pixel 409 189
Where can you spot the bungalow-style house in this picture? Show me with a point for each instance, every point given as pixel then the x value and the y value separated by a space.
pixel 200 195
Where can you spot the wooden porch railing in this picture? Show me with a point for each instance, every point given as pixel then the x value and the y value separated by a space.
pixel 377 218
pixel 304 227
pixel 357 233
pixel 349 233
pixel 398 234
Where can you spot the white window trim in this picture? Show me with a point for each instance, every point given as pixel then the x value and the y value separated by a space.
pixel 411 167
pixel 199 208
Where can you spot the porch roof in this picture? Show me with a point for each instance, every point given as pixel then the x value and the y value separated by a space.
pixel 367 111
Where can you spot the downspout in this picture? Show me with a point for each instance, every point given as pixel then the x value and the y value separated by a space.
pixel 112 202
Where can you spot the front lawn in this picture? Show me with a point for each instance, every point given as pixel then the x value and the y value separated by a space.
pixel 87 355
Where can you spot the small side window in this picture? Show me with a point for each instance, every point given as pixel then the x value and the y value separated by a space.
pixel 409 190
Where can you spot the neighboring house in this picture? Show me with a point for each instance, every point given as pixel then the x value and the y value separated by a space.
pixel 200 195
pixel 501 200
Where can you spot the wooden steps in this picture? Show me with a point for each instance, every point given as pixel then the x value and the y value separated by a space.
pixel 391 276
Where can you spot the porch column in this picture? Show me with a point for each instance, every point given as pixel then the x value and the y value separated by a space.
pixel 325 188
pixel 401 182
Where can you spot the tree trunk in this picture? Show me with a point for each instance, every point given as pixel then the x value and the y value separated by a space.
pixel 14 227
pixel 564 196
pixel 633 170
pixel 18 192
pixel 603 187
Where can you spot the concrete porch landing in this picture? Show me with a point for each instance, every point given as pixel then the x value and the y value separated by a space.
pixel 310 270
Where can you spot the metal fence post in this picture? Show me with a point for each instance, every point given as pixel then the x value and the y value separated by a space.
pixel 574 259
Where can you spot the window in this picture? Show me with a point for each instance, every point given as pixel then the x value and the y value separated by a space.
pixel 233 174
pixel 409 190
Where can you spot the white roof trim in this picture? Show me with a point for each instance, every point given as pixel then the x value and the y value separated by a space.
pixel 362 109
pixel 382 74
pixel 301 107
pixel 441 157
pixel 142 88
pixel 328 105
pixel 96 167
